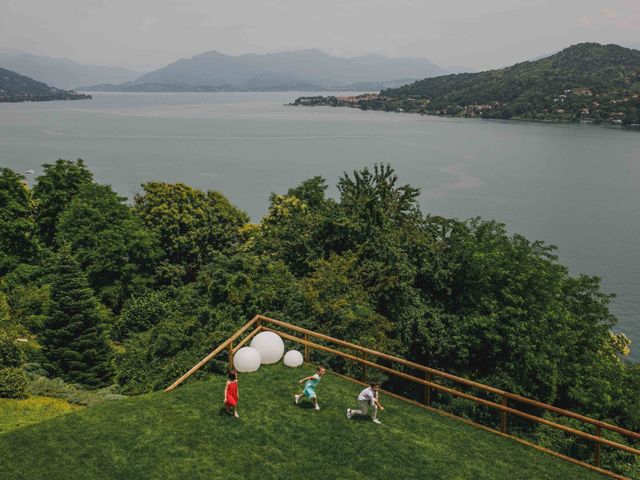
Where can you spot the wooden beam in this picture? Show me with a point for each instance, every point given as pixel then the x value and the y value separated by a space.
pixel 241 343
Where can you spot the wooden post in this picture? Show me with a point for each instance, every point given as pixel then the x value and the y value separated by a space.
pixel 427 389
pixel 596 447
pixel 306 348
pixel 231 356
pixel 503 416
pixel 364 369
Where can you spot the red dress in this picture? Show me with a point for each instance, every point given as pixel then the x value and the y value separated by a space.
pixel 232 394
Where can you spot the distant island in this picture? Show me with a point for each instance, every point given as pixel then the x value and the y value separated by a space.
pixel 18 88
pixel 588 83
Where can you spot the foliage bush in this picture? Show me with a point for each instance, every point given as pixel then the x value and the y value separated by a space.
pixel 41 385
pixel 10 354
pixel 139 314
pixel 13 383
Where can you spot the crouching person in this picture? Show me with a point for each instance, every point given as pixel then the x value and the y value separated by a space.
pixel 368 399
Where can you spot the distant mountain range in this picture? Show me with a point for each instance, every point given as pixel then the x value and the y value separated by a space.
pixel 18 88
pixel 297 70
pixel 588 82
pixel 61 72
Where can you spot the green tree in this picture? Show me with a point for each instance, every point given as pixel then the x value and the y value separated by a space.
pixel 17 227
pixel 191 225
pixel 188 321
pixel 54 190
pixel 374 198
pixel 342 307
pixel 27 294
pixel 74 341
pixel 293 229
pixel 114 248
pixel 10 354
pixel 13 381
pixel 140 313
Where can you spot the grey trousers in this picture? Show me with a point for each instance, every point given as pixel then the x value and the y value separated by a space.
pixel 364 409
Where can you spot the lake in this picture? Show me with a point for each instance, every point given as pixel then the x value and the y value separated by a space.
pixel 574 186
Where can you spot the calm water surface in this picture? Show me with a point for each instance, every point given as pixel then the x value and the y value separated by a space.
pixel 574 186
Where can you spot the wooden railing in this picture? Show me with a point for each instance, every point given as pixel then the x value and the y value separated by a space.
pixel 506 405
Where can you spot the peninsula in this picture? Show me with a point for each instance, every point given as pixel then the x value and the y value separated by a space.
pixel 19 88
pixel 588 83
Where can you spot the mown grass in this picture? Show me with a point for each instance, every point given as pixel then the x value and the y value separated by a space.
pixel 185 434
pixel 15 414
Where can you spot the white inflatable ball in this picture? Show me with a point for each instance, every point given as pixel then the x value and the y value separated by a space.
pixel 246 359
pixel 293 358
pixel 270 346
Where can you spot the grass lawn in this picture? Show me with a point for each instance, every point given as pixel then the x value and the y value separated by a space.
pixel 19 413
pixel 185 434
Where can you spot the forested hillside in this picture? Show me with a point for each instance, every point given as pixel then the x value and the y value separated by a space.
pixel 18 88
pixel 588 82
pixel 97 292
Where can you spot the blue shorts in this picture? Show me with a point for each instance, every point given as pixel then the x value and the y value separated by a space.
pixel 309 392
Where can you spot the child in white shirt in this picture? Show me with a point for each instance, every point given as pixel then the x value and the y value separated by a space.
pixel 368 398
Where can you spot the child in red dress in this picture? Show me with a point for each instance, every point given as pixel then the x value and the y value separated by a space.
pixel 231 394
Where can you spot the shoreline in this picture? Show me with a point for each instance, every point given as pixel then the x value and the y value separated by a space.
pixel 511 119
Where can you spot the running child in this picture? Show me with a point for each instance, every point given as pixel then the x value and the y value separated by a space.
pixel 231 394
pixel 368 398
pixel 310 388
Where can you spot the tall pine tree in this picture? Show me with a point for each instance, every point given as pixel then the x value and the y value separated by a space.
pixel 74 341
pixel 17 227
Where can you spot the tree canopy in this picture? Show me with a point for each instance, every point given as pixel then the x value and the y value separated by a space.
pixel 132 295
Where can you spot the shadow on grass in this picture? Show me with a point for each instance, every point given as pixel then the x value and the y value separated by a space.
pixel 223 413
pixel 360 418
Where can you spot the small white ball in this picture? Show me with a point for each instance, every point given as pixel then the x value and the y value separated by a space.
pixel 293 358
pixel 246 359
pixel 270 346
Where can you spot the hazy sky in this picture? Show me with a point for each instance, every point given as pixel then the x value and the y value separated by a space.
pixel 146 34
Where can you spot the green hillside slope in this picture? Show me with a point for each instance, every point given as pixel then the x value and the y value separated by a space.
pixel 18 88
pixel 183 434
pixel 587 82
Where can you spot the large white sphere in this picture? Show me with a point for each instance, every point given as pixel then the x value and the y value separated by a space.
pixel 246 359
pixel 270 346
pixel 293 358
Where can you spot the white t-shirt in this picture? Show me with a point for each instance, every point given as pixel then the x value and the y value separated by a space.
pixel 367 395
